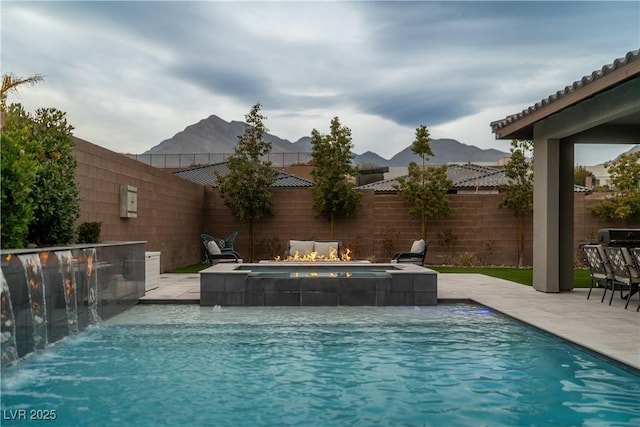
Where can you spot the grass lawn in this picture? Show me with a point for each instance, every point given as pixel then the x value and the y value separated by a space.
pixel 581 278
pixel 195 268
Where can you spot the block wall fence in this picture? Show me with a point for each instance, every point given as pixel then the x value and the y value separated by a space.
pixel 173 212
pixel 170 214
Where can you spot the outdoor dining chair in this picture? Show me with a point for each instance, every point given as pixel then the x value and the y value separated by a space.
pixel 601 273
pixel 625 274
pixel 635 255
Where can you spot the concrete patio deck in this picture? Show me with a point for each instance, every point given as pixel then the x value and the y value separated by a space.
pixel 609 330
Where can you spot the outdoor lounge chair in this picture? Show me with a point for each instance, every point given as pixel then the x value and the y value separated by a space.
pixel 601 273
pixel 213 250
pixel 416 254
pixel 625 273
pixel 225 245
pixel 228 242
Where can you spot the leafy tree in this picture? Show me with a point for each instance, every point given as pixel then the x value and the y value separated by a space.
pixel 425 189
pixel 10 83
pixel 625 181
pixel 246 188
pixel 18 174
pixel 580 174
pixel 518 193
pixel 334 193
pixel 55 189
pixel 46 140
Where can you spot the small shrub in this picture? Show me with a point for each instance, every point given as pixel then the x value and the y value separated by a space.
pixel 389 241
pixel 467 259
pixel 269 248
pixel 448 240
pixel 89 232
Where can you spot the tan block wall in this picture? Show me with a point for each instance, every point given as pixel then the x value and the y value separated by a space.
pixel 478 229
pixel 293 219
pixel 172 212
pixel 170 209
pixel 381 228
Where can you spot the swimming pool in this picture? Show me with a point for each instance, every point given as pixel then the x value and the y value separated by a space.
pixel 452 364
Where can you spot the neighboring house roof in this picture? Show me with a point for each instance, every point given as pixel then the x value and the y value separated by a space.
pixel 464 177
pixel 205 175
pixel 520 125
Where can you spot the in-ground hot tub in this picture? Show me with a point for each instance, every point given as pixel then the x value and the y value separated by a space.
pixel 317 284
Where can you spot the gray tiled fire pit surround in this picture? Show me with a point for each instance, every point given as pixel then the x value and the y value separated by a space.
pixel 401 284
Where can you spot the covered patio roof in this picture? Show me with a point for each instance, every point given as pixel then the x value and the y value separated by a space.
pixel 601 108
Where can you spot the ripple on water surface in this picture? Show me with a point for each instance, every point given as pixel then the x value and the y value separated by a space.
pixel 341 366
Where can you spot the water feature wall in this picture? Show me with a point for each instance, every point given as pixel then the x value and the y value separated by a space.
pixel 51 293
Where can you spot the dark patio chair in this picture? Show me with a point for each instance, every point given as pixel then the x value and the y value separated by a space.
pixel 625 274
pixel 601 273
pixel 228 242
pixel 214 253
pixel 635 255
pixel 416 254
pixel 214 249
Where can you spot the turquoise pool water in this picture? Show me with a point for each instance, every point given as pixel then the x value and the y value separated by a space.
pixel 449 365
pixel 317 269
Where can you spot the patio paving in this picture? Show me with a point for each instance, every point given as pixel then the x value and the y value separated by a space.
pixel 609 330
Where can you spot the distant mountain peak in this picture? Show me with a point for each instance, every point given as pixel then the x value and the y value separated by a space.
pixel 217 136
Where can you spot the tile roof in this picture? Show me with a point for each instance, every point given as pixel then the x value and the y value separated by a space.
pixel 205 175
pixel 463 176
pixel 585 82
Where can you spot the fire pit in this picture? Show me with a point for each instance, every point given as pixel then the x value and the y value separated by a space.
pixel 326 283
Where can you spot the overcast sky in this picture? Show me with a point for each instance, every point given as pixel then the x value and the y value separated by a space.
pixel 131 74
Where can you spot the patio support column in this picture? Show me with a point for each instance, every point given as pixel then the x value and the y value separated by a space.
pixel 546 205
pixel 565 216
pixel 552 213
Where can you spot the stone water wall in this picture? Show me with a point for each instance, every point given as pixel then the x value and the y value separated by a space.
pixel 51 293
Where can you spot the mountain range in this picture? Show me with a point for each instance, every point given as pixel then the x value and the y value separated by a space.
pixel 215 135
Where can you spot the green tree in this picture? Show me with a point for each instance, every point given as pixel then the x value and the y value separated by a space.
pixel 45 138
pixel 334 193
pixel 518 193
pixel 55 191
pixel 425 189
pixel 625 182
pixel 246 188
pixel 18 174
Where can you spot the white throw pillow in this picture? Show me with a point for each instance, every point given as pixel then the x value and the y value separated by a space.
pixel 418 246
pixel 213 247
pixel 324 248
pixel 303 247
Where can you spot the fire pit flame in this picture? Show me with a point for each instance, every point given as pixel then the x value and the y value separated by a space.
pixel 315 256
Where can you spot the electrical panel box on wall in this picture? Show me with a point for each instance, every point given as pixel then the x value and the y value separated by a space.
pixel 128 201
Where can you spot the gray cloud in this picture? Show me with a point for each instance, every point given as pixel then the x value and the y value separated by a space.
pixel 400 64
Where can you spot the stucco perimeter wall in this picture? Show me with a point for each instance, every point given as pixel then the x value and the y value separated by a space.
pixel 170 214
pixel 478 232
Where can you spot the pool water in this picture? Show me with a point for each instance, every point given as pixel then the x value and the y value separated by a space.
pixel 449 365
pixel 317 270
